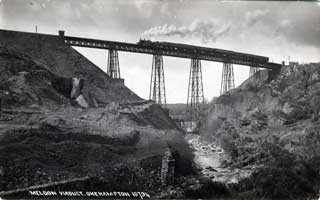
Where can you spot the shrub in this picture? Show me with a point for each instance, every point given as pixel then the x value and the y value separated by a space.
pixel 228 144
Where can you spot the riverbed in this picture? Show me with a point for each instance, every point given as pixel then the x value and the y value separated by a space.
pixel 209 158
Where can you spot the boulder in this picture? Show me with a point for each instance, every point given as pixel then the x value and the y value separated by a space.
pixel 81 101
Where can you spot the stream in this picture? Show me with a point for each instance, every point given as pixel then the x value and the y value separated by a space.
pixel 209 157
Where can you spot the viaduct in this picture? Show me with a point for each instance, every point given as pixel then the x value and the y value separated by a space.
pixel 195 53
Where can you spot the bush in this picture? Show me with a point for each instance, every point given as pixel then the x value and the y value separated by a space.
pixel 284 177
pixel 284 182
pixel 208 189
pixel 228 144
pixel 183 156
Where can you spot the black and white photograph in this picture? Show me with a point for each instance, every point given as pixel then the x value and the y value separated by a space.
pixel 159 99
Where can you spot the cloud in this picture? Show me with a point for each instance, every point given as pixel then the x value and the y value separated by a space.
pixel 255 16
pixel 145 7
pixel 206 30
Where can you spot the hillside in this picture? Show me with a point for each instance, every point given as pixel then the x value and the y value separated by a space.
pixel 272 126
pixel 63 121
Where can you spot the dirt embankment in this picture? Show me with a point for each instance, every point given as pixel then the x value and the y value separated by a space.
pixel 64 61
pixel 24 83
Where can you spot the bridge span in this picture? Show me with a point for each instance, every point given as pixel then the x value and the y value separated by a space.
pixel 157 93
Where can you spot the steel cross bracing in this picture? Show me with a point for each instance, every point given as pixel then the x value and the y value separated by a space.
pixel 227 81
pixel 157 85
pixel 175 50
pixel 113 69
pixel 195 91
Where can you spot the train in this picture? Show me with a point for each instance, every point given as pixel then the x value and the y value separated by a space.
pixel 204 51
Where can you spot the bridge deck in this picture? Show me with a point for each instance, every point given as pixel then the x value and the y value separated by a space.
pixel 176 50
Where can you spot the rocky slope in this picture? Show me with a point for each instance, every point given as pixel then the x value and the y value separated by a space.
pixel 266 121
pixel 285 109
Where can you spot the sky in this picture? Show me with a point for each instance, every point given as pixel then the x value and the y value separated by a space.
pixel 280 30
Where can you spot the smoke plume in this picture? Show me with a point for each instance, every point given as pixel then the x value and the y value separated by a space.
pixel 206 30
